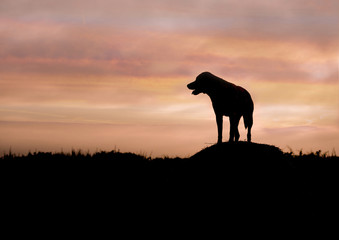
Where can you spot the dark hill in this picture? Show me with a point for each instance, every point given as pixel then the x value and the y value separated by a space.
pixel 242 156
pixel 239 150
pixel 239 180
pixel 251 166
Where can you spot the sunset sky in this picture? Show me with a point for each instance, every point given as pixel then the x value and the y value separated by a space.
pixel 112 74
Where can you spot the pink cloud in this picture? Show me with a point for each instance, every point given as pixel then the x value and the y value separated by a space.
pixel 114 62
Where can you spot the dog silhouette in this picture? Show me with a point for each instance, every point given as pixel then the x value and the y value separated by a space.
pixel 227 100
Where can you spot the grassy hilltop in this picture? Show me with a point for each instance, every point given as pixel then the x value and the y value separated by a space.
pixel 242 179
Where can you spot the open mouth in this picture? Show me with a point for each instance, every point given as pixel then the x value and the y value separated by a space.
pixel 192 86
pixel 196 92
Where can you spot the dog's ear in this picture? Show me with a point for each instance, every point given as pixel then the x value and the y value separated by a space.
pixel 204 75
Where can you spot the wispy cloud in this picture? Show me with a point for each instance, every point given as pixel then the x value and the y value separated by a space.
pixel 114 62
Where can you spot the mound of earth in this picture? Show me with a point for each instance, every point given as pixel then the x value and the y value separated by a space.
pixel 240 151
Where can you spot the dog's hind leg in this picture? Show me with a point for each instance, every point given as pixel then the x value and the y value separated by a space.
pixel 234 132
pixel 248 120
pixel 249 134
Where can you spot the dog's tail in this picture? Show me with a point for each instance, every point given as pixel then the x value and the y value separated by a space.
pixel 248 120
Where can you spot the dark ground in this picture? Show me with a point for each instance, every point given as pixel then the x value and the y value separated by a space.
pixel 237 181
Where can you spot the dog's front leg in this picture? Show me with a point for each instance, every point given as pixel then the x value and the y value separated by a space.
pixel 219 125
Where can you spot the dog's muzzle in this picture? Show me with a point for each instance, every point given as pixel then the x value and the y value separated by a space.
pixel 192 86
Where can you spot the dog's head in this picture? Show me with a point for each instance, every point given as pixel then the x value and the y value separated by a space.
pixel 201 83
